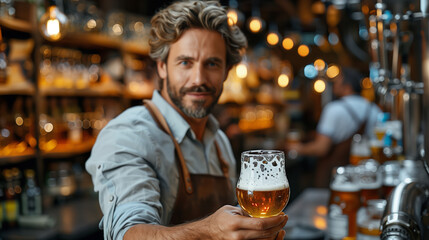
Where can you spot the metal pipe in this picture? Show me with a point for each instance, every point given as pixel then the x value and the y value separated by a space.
pixel 424 5
pixel 402 216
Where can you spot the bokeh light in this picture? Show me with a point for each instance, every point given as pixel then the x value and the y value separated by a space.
pixel 319 86
pixel 303 50
pixel 283 80
pixel 287 43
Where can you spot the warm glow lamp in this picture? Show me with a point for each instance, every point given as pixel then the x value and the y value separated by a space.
pixel 255 23
pixel 53 24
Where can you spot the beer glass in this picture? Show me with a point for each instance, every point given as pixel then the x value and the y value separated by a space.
pixel 263 188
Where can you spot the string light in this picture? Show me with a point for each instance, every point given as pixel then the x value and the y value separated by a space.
pixel 287 43
pixel 255 24
pixel 232 17
pixel 273 38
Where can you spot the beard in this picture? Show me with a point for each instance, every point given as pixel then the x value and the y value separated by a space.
pixel 197 109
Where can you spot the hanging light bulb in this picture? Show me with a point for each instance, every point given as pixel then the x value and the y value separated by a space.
pixel 235 16
pixel 232 17
pixel 273 36
pixel 53 24
pixel 255 23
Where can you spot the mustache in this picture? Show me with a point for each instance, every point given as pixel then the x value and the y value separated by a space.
pixel 201 88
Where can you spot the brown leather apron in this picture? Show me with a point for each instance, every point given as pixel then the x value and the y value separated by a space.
pixel 339 154
pixel 198 195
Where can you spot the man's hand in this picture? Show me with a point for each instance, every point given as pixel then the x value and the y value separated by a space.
pixel 233 223
pixel 227 223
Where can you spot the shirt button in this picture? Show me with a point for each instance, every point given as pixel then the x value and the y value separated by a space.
pixel 111 198
pixel 99 166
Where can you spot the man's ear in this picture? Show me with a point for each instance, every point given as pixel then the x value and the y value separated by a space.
pixel 162 69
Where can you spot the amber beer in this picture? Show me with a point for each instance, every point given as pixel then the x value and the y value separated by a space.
pixel 369 193
pixel 344 203
pixel 265 202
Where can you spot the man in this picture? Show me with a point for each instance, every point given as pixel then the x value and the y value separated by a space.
pixel 340 120
pixel 167 162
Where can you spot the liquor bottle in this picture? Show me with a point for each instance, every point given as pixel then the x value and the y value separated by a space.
pixel 31 198
pixel 11 203
pixel 17 184
pixel 2 198
pixel 3 61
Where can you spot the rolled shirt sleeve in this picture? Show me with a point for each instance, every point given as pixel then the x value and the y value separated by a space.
pixel 122 168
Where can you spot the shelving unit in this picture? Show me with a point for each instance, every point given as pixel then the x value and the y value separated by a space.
pixel 40 94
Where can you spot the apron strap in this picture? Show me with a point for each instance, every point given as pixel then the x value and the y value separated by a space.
pixel 162 123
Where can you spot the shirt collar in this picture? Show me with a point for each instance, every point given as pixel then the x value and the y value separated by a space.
pixel 178 125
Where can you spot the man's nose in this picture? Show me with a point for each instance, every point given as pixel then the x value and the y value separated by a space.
pixel 198 74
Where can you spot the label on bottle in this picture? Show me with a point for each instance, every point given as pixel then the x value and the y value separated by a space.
pixel 338 223
pixel 1 214
pixel 11 210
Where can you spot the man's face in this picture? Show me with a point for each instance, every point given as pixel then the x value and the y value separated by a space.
pixel 194 72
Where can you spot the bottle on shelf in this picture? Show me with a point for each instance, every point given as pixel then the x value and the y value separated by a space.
pixel 31 198
pixel 2 199
pixel 3 61
pixel 11 203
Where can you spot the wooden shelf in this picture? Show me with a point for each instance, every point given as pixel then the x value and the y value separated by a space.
pixel 135 48
pixel 90 40
pixel 16 24
pixel 98 40
pixel 29 153
pixel 17 89
pixel 113 90
pixel 64 150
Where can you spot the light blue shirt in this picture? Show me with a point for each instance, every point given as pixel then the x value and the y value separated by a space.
pixel 134 170
pixel 338 124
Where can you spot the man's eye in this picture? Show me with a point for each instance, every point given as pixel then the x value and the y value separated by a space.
pixel 184 63
pixel 212 64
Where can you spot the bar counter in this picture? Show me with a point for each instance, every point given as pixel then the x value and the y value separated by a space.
pixel 308 215
pixel 76 219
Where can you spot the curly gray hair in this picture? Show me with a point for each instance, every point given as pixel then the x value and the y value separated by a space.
pixel 170 23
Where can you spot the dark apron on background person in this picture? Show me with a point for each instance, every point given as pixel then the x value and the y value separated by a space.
pixel 339 154
pixel 198 195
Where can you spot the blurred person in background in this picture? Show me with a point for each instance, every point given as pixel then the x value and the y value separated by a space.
pixel 340 120
pixel 165 170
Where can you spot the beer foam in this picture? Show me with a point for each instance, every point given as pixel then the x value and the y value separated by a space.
pixel 263 172
pixel 345 187
pixel 262 188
